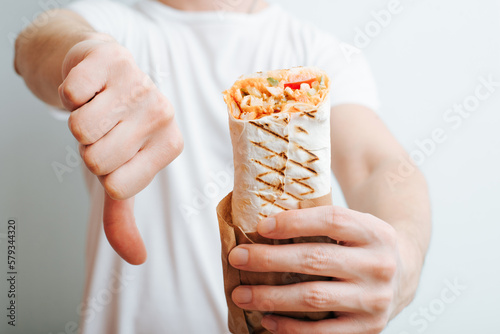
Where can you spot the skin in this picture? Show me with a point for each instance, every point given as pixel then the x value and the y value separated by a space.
pixel 383 236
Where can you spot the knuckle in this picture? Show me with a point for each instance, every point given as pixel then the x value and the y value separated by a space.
pixel 165 154
pixel 92 160
pixel 118 54
pixel 67 95
pixel 316 298
pixel 78 129
pixel 265 303
pixel 177 143
pixel 115 189
pixel 139 93
pixel 159 159
pixel 170 147
pixel 378 325
pixel 163 111
pixel 105 125
pixel 385 268
pixel 122 60
pixel 380 302
pixel 316 259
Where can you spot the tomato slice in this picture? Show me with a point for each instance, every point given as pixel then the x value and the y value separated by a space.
pixel 296 85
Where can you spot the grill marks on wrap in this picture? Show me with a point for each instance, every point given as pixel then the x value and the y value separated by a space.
pixel 309 114
pixel 305 185
pixel 313 156
pixel 279 187
pixel 303 166
pixel 301 129
pixel 279 171
pixel 274 153
pixel 266 129
pixel 272 202
pixel 293 196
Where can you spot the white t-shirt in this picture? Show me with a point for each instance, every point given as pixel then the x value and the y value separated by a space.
pixel 192 57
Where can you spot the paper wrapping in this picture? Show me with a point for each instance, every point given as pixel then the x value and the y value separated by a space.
pixel 248 322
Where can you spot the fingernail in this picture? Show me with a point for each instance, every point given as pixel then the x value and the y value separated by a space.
pixel 267 225
pixel 238 257
pixel 242 295
pixel 269 324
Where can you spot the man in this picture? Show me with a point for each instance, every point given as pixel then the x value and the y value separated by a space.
pixel 125 71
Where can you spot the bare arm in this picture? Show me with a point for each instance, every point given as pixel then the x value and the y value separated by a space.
pixel 364 154
pixel 40 51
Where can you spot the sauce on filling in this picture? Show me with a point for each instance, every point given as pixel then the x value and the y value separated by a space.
pixel 280 91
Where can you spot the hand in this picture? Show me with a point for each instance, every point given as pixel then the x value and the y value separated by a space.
pixel 125 128
pixel 365 265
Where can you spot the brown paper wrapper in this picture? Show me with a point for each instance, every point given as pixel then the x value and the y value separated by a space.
pixel 248 322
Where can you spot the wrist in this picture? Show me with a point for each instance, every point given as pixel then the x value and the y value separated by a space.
pixel 411 263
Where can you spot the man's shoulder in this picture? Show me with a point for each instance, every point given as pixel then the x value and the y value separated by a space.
pixel 115 18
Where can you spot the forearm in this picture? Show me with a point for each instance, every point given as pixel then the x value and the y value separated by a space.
pixel 40 52
pixel 404 205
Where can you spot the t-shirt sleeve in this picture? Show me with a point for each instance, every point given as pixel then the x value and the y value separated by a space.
pixel 110 17
pixel 352 81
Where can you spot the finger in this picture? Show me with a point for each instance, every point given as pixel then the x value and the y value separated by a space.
pixel 96 118
pixel 332 221
pixel 113 150
pixel 121 230
pixel 343 324
pixel 328 260
pixel 137 173
pixel 83 75
pixel 301 297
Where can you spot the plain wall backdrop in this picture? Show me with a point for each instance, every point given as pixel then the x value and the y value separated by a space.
pixel 427 58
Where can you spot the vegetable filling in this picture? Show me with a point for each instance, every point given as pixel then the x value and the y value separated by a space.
pixel 273 92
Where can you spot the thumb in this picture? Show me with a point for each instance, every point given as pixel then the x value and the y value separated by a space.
pixel 121 230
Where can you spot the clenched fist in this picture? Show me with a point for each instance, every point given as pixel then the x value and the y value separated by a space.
pixel 125 128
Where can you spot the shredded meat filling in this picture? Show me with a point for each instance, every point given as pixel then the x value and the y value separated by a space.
pixel 275 92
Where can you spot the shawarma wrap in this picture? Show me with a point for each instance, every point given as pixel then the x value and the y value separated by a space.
pixel 280 131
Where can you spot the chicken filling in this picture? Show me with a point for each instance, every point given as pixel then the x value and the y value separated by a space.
pixel 275 92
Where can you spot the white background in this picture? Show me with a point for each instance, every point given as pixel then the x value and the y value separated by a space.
pixel 428 58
